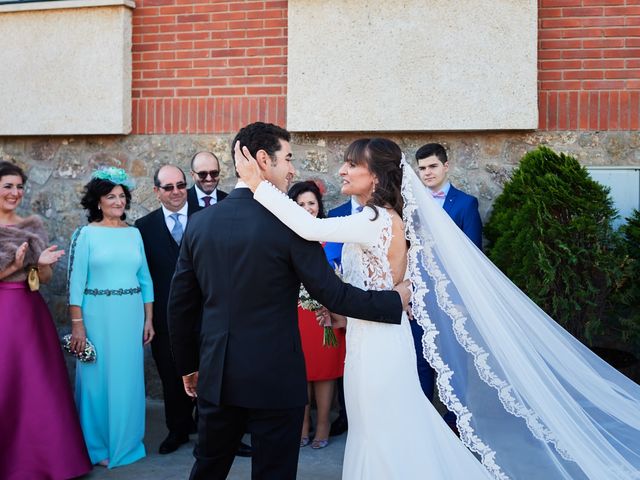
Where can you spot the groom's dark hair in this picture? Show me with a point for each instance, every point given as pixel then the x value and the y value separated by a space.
pixel 260 136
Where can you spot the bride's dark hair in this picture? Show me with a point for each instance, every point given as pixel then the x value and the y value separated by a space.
pixel 382 157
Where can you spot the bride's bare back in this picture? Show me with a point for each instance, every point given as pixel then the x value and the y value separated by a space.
pixel 397 255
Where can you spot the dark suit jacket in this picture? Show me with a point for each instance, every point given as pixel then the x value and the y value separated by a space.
pixel 333 250
pixel 192 198
pixel 162 254
pixel 463 210
pixel 245 267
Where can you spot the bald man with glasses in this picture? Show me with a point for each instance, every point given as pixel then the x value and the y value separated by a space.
pixel 205 171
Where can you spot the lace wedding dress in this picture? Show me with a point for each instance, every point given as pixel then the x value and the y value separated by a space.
pixel 394 431
pixel 530 400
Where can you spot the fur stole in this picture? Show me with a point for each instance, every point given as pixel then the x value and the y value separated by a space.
pixel 30 230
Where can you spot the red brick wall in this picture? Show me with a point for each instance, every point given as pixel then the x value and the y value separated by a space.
pixel 589 64
pixel 202 66
pixel 211 66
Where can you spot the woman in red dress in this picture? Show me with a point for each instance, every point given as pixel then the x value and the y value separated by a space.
pixel 323 363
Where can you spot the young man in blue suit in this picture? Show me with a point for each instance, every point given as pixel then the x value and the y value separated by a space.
pixel 433 168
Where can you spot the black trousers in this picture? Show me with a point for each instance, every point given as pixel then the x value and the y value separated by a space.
pixel 275 441
pixel 178 406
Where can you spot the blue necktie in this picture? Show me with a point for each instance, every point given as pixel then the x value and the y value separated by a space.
pixel 176 231
pixel 359 209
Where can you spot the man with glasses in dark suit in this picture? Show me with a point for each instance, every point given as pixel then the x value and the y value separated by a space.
pixel 205 171
pixel 162 232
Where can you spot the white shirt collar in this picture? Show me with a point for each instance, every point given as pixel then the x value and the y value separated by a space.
pixel 354 205
pixel 200 194
pixel 182 211
pixel 241 184
pixel 445 188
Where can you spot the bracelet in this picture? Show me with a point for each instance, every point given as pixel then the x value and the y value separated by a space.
pixel 76 319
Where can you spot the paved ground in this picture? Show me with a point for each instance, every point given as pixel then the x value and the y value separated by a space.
pixel 325 464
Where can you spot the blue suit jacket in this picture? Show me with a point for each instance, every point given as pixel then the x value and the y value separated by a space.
pixel 332 250
pixel 463 210
pixel 460 206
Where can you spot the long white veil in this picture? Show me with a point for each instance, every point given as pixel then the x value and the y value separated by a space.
pixel 530 399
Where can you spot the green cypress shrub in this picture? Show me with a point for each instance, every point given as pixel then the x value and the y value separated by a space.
pixel 625 303
pixel 551 233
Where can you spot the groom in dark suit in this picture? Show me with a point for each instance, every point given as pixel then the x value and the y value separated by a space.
pixel 245 267
pixel 433 169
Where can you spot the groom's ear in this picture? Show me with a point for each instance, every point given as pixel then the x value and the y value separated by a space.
pixel 262 158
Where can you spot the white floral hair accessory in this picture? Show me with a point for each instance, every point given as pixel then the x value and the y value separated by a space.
pixel 115 175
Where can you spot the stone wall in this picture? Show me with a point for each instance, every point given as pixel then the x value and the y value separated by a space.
pixel 58 168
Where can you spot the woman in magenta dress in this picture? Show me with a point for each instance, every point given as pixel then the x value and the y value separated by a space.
pixel 41 437
pixel 324 364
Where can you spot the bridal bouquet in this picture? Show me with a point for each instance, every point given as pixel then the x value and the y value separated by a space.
pixel 305 301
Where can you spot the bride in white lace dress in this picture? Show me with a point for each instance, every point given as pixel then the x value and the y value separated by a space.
pixel 530 400
pixel 394 431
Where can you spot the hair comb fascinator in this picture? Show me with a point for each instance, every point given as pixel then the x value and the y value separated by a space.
pixel 115 175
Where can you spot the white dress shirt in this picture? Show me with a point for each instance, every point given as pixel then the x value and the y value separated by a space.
pixel 200 194
pixel 355 206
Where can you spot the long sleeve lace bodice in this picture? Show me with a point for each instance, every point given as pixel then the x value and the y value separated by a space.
pixel 367 238
pixel 358 228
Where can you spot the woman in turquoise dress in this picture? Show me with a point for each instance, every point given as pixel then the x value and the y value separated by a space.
pixel 110 303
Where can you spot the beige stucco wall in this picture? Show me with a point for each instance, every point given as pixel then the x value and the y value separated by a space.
pixel 66 70
pixel 417 65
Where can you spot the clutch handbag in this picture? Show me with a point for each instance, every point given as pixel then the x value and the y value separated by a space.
pixel 33 280
pixel 88 355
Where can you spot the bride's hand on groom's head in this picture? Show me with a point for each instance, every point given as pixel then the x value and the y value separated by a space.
pixel 247 166
pixel 404 290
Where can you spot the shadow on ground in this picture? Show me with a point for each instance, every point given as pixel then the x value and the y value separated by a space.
pixel 325 464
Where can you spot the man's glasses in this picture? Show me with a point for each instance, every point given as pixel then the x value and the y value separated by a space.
pixel 203 175
pixel 169 188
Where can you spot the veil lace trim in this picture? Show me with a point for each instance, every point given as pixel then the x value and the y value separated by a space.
pixel 421 253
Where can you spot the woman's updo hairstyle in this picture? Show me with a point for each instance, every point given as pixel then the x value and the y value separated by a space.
pixel 382 157
pixel 8 168
pixel 96 189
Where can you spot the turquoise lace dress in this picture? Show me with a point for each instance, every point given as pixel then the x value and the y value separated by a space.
pixel 109 279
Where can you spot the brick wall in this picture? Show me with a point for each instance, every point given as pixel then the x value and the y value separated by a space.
pixel 204 66
pixel 211 66
pixel 589 64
